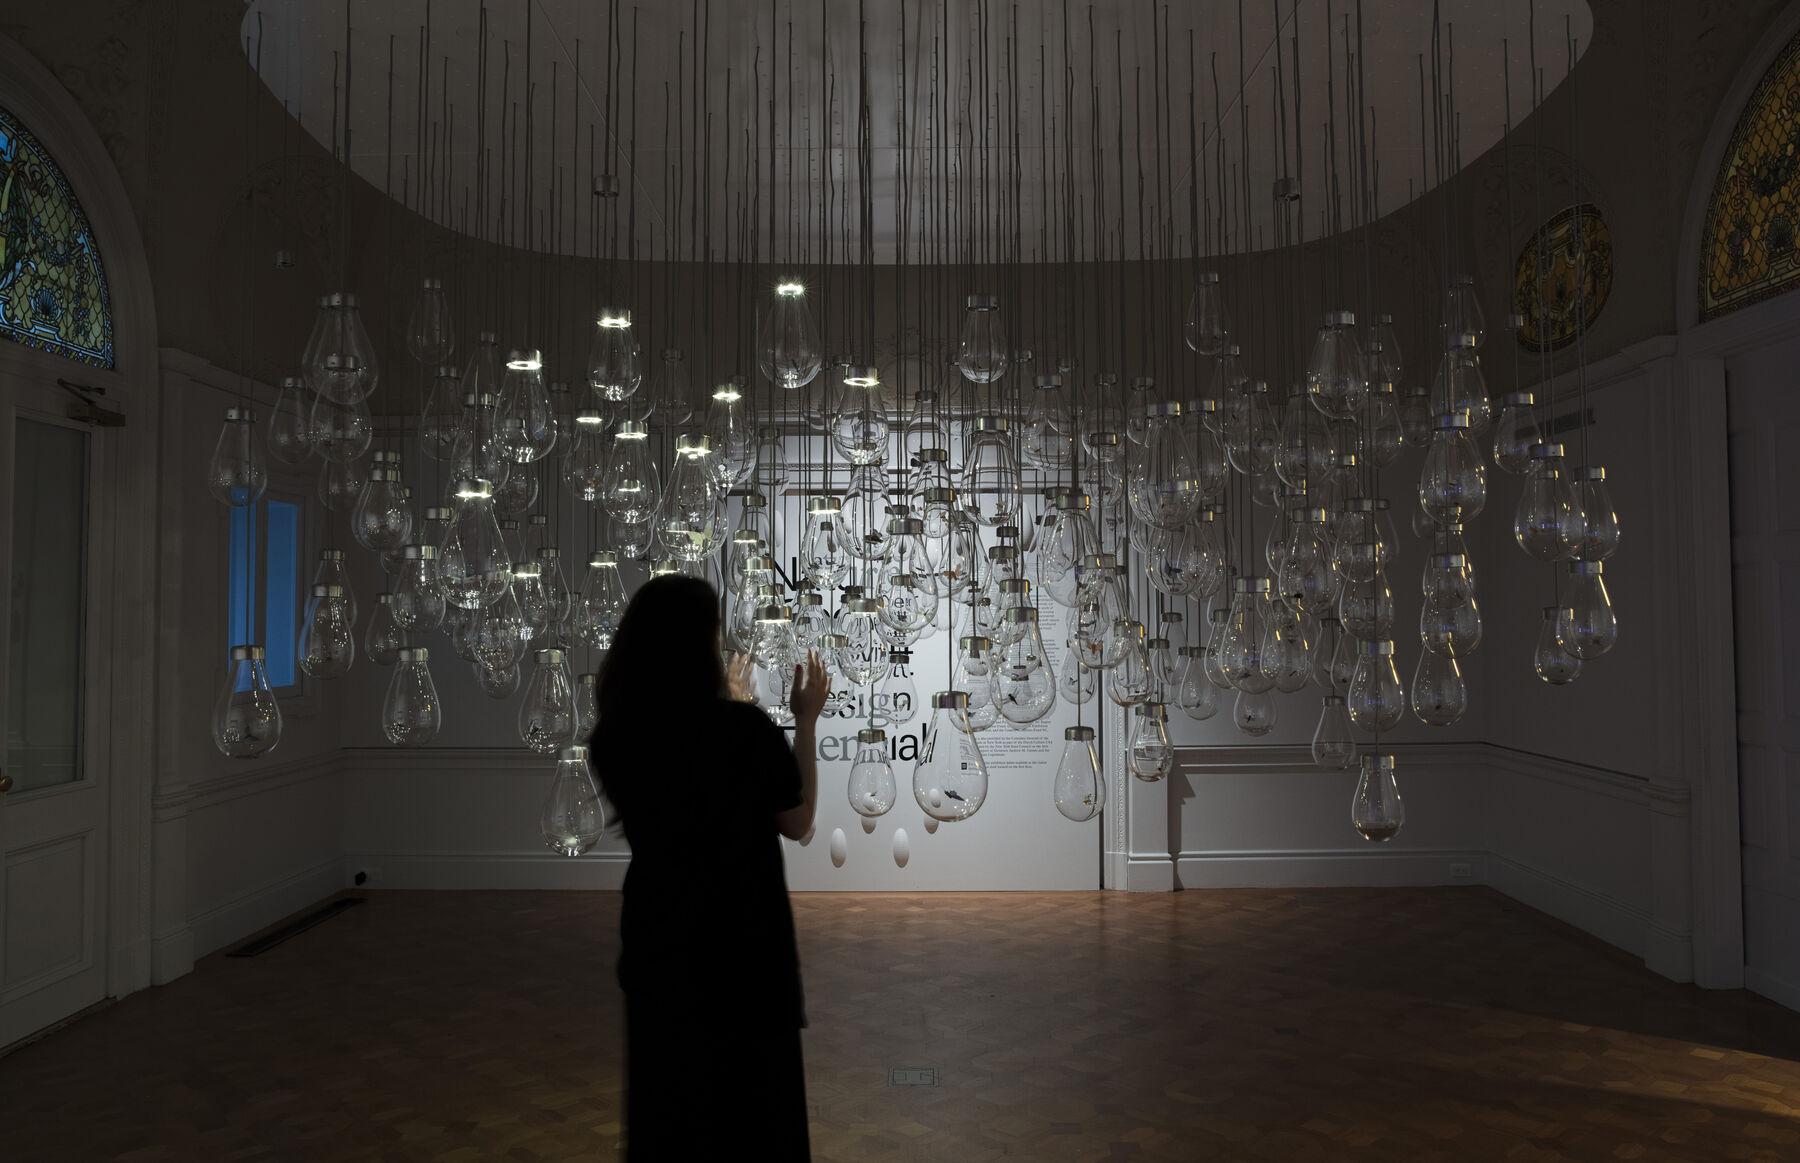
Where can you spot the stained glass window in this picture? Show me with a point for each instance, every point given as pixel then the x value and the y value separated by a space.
pixel 52 284
pixel 1747 248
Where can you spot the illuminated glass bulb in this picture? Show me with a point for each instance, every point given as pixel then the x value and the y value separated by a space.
pixel 382 639
pixel 289 435
pixel 1549 660
pixel 584 457
pixel 344 368
pixel 689 524
pixel 1204 328
pixel 1075 683
pixel 1586 625
pixel 1241 647
pixel 236 475
pixel 596 612
pixel 246 719
pixel 1024 688
pixel 1375 808
pixel 898 695
pixel 1459 386
pixel 574 816
pixel 1079 787
pixel 950 778
pixel 328 640
pixel 822 558
pixel 410 712
pixel 523 418
pixel 1462 310
pixel 612 367
pixel 788 351
pixel 864 651
pixel 473 565
pixel 1376 699
pixel 730 449
pixel 1337 374
pixel 547 715
pixel 1255 712
pixel 1333 746
pixel 1452 479
pixel 1197 697
pixel 1439 696
pixel 498 684
pixel 859 431
pixel 1516 433
pixel 1597 523
pixel 535 607
pixel 629 488
pixel 981 350
pixel 1546 524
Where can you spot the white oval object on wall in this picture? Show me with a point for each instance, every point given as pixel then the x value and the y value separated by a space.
pixel 930 824
pixel 840 848
pixel 902 847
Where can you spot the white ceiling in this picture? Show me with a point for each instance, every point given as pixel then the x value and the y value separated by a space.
pixel 302 41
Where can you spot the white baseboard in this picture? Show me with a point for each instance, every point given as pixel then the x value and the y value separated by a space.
pixel 1325 868
pixel 260 907
pixel 1149 874
pixel 1773 986
pixel 1606 917
pixel 171 955
pixel 460 870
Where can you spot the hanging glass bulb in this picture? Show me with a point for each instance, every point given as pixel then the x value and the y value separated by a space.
pixel 1069 541
pixel 689 525
pixel 473 565
pixel 246 719
pixel 974 675
pixel 289 436
pixel 1286 648
pixel 1229 382
pixel 1415 415
pixel 597 611
pixel 417 606
pixel 822 558
pixel 328 640
pixel 1549 660
pixel 477 453
pixel 574 816
pixel 517 494
pixel 1382 348
pixel 1164 662
pixel 1075 683
pixel 1324 656
pixel 1452 480
pixel 344 369
pixel 380 520
pixel 332 571
pixel 1079 788
pixel 1214 658
pixel 1333 746
pixel 556 599
pixel 1337 374
pixel 535 606
pixel 497 684
pixel 1163 486
pixel 1386 436
pixel 1251 432
pixel 547 716
pixel 898 695
pixel 341 483
pixel 788 351
pixel 632 539
pixel 524 419
pixel 1516 433
pixel 1462 310
pixel 383 639
pixel 612 367
pixel 729 448
pixel 587 705
pixel 1546 524
pixel 923 431
pixel 1197 697
pixel 770 460
pixel 1130 681
pixel 1375 809
pixel 981 351
pixel 864 651
pixel 629 488
pixel 481 375
pixel 950 778
pixel 872 789
pixel 1255 712
pixel 1242 644
pixel 584 457
pixel 989 492
pixel 1376 699
pixel 1049 435
pixel 1586 626
pixel 859 431
pixel 1597 524
pixel 498 634
pixel 1304 452
pixel 428 328
pixel 236 474
pixel 1024 690
pixel 1459 386
pixel 1439 696
pixel 1307 578
pixel 811 621
pixel 908 603
pixel 1450 628
pixel 410 713
pixel 1149 752
pixel 1204 328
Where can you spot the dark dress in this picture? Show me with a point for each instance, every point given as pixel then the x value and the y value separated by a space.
pixel 709 964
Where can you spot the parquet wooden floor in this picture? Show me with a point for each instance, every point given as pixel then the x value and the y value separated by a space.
pixel 1400 1024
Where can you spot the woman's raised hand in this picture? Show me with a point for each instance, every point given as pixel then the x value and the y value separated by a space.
pixel 812 685
pixel 740 678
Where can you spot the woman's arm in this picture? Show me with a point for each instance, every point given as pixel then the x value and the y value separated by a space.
pixel 807 700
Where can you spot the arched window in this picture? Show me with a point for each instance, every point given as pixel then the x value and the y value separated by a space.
pixel 1747 247
pixel 52 284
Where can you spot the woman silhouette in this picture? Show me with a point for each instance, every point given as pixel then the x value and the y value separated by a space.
pixel 703 783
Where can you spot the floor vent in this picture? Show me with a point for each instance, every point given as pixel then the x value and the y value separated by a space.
pixel 295 927
pixel 913 1076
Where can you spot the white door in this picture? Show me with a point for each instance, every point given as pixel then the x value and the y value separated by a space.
pixel 53 702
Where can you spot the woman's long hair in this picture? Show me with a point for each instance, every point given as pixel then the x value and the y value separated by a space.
pixel 664 665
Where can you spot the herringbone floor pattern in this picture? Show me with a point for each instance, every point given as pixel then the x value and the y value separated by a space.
pixel 1399 1024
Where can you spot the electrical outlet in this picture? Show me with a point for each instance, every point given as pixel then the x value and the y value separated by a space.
pixel 1459 870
